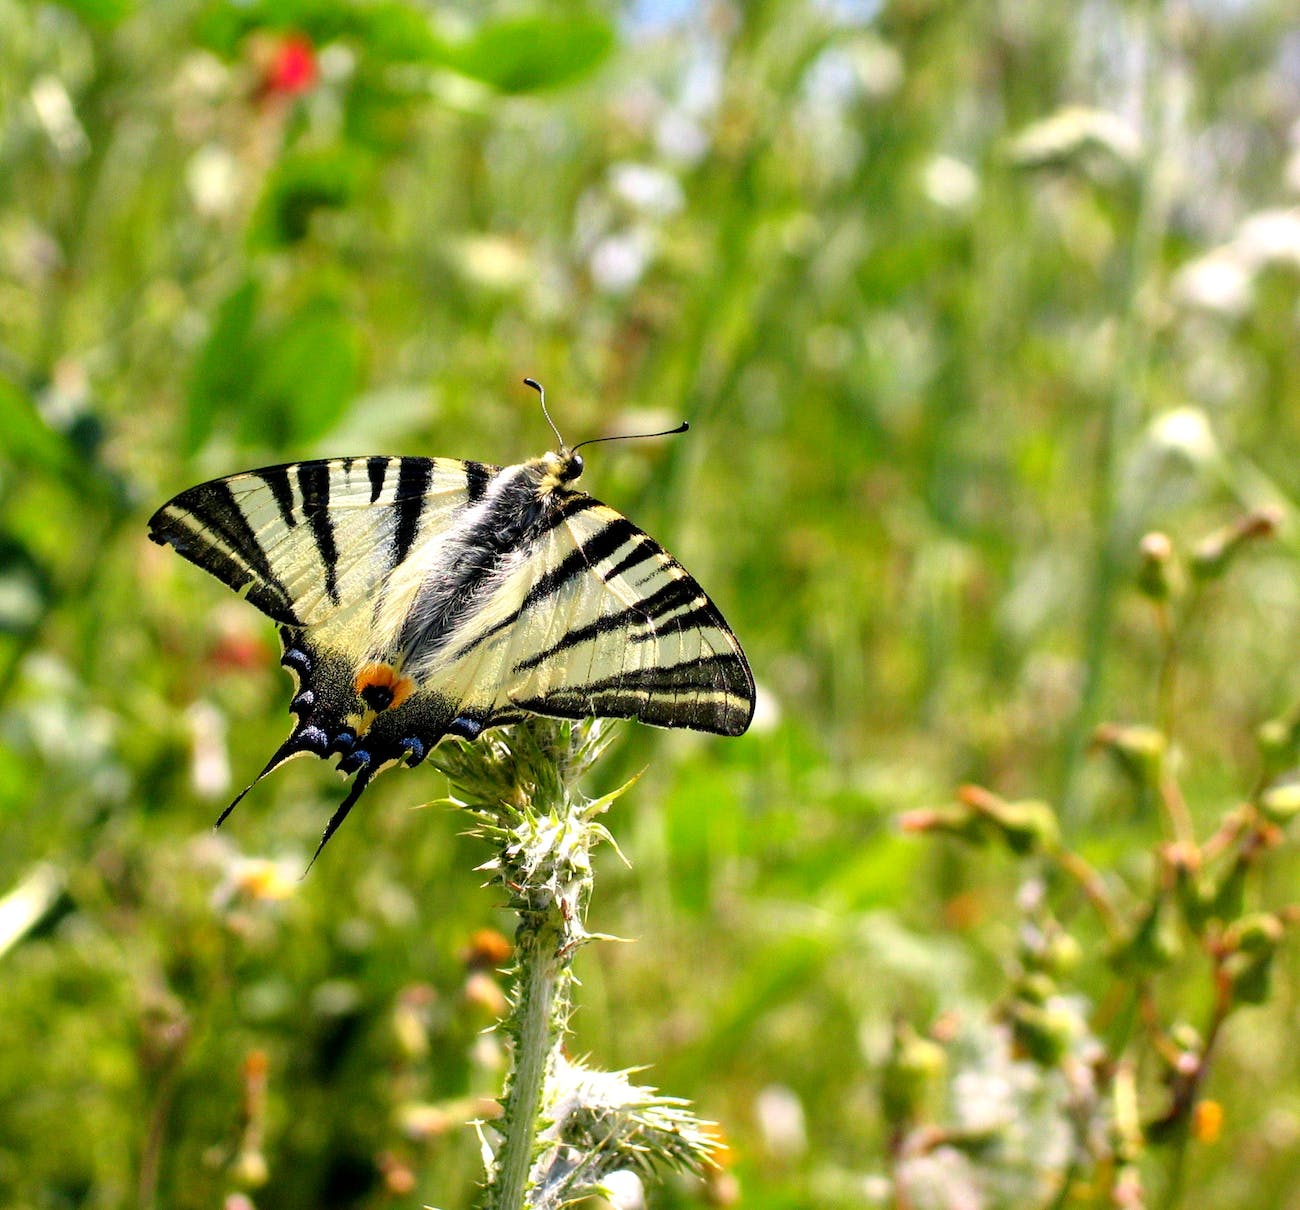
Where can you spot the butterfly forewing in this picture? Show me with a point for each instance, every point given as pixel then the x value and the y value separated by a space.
pixel 312 537
pixel 597 619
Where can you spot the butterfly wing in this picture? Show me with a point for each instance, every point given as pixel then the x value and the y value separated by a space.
pixel 597 618
pixel 320 547
pixel 309 542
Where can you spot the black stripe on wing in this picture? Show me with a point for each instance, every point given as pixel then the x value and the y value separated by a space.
pixel 210 524
pixel 277 479
pixel 673 595
pixel 707 672
pixel 314 484
pixel 377 472
pixel 643 552
pixel 413 478
pixel 585 558
pixel 570 505
pixel 477 477
pixel 711 693
pixel 222 542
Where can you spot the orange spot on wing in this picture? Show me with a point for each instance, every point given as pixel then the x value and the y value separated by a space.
pixel 385 676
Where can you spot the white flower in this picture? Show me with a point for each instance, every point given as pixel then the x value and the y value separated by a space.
pixel 58 118
pixel 255 879
pixel 879 66
pixel 209 756
pixel 1223 279
pixel 942 1179
pixel 1270 237
pixel 865 66
pixel 1185 432
pixel 212 177
pixel 650 190
pixel 618 261
pixel 24 907
pixel 1217 281
pixel 624 1191
pixel 336 62
pixel 950 183
pixel 781 1122
pixel 680 138
pixel 1075 132
pixel 497 262
pixel 202 76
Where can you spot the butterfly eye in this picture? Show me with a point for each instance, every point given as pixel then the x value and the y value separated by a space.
pixel 571 469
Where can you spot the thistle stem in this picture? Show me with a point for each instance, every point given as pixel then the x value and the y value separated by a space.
pixel 538 1030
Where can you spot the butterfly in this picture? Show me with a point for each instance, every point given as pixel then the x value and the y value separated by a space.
pixel 423 597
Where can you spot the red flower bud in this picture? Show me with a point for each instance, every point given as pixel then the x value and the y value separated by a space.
pixel 292 68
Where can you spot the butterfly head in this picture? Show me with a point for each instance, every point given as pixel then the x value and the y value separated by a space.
pixel 563 467
pixel 566 466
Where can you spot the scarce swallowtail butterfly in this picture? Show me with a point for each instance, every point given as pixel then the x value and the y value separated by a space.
pixel 423 597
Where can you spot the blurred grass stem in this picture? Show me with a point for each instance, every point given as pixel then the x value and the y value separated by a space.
pixel 1123 408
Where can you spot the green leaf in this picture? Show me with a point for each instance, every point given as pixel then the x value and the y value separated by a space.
pixel 302 184
pixel 528 54
pixel 100 12
pixel 24 436
pixel 389 32
pixel 310 372
pixel 219 381
pixel 223 25
pixel 398 33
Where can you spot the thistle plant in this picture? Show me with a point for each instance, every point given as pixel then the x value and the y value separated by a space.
pixel 564 1128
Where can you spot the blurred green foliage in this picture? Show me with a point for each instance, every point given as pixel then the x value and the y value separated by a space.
pixel 961 300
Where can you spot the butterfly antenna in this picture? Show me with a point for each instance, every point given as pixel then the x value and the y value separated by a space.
pixel 681 428
pixel 537 386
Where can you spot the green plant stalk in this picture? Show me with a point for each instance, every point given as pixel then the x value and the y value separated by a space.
pixel 537 1024
pixel 521 791
pixel 1122 414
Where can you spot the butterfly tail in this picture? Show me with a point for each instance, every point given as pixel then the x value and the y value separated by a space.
pixel 363 778
pixel 303 739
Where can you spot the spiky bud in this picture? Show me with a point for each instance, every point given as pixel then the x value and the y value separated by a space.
pixel 1138 751
pixel 1280 801
pixel 913 1077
